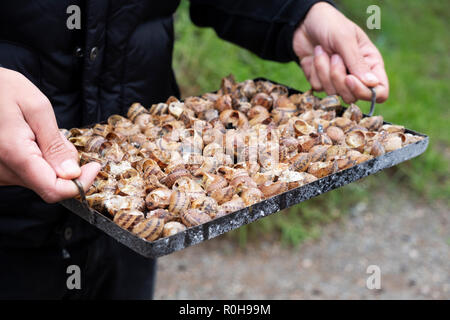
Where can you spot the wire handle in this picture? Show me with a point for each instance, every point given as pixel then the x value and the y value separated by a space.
pixel 81 191
pixel 374 100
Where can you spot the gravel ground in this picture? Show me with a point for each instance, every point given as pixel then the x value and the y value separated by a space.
pixel 409 242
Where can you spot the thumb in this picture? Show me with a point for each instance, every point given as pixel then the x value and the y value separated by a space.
pixel 349 50
pixel 61 155
pixel 56 149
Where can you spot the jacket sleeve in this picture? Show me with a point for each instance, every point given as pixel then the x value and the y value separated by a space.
pixel 265 27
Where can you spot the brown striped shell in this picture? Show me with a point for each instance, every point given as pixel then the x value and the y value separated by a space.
pixel 158 198
pixel 194 217
pixel 149 229
pixel 179 202
pixel 353 113
pixel 127 218
pixel 164 214
pixel 300 162
pixel 270 189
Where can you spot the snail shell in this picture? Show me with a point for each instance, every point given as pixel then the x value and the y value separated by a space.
pixel 301 127
pixel 322 169
pixel 372 123
pixel 390 128
pixel 170 179
pixel 96 201
pixel 251 196
pixel 198 104
pixel 343 123
pixel 392 142
pixel 212 136
pixel 86 157
pixel 240 178
pixel 307 142
pixel 206 204
pixel 176 109
pixel 164 214
pixel 377 149
pixel 262 99
pixel 149 229
pixel 336 134
pixel 318 153
pixel 101 129
pixel 159 109
pixel 223 102
pixel 214 182
pixel 330 103
pixel 409 138
pixel 233 119
pixel 258 111
pixel 353 113
pixel 114 204
pixel 270 189
pixel 300 162
pixel 179 202
pixel 328 116
pixel 336 151
pixel 345 163
pixel 131 187
pixel 172 227
pixel 356 139
pixel 223 194
pixel 149 167
pixel 158 198
pixel 194 217
pixel 113 153
pixel 127 218
pixel 233 205
pixel 358 157
pixel 107 186
pixel 135 110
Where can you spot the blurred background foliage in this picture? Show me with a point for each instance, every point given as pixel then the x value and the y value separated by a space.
pixel 415 45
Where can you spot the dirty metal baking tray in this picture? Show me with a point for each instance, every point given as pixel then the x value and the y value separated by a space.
pixel 218 226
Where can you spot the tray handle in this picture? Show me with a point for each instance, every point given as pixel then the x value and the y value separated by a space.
pixel 373 101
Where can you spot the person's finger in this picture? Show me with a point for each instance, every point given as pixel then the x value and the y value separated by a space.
pixel 359 90
pixel 314 80
pixel 322 66
pixel 39 176
pixel 348 48
pixel 39 115
pixel 378 69
pixel 306 64
pixel 338 74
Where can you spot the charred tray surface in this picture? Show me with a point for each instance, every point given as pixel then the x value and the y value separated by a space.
pixel 231 221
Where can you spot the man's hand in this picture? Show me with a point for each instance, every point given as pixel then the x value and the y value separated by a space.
pixel 33 153
pixel 328 44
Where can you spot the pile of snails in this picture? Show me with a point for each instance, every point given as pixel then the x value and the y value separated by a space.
pixel 179 164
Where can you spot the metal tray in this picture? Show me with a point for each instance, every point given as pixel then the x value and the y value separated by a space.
pixel 216 227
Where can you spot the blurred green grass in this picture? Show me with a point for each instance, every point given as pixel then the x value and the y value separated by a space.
pixel 414 42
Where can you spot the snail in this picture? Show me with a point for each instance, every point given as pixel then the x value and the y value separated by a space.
pixel 173 227
pixel 127 218
pixel 194 217
pixel 149 229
